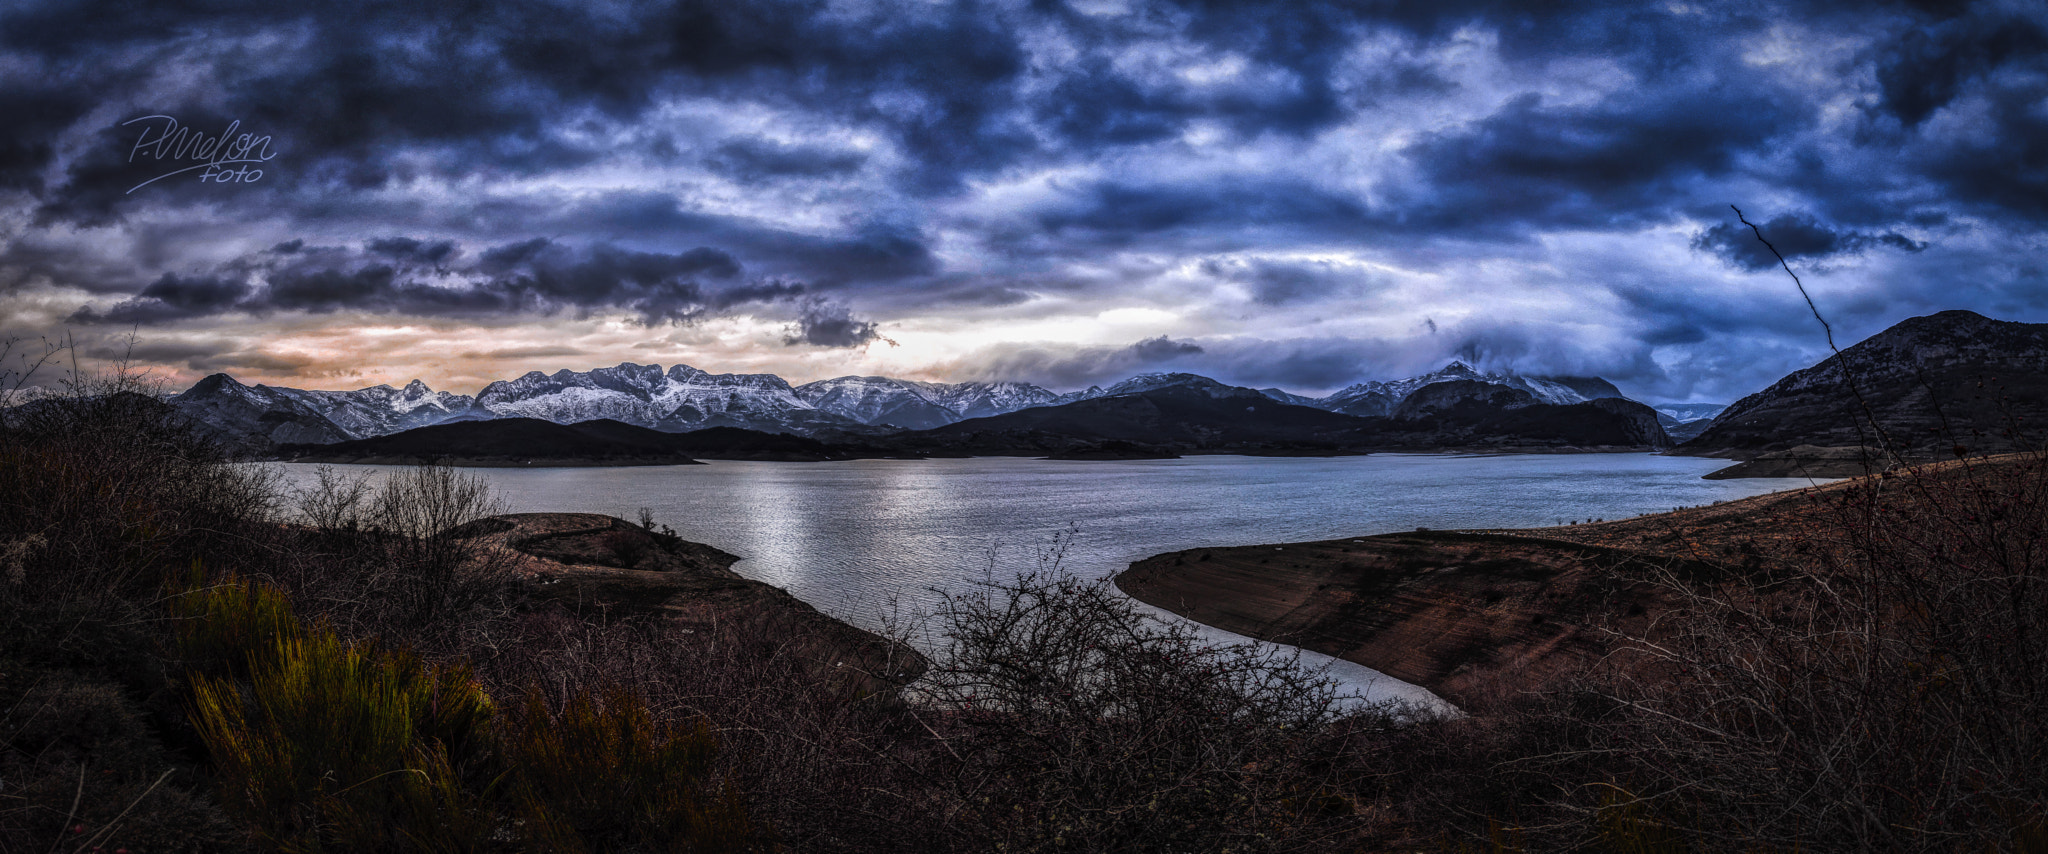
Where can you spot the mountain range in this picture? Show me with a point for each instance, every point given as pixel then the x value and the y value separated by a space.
pixel 1172 414
pixel 680 399
pixel 683 398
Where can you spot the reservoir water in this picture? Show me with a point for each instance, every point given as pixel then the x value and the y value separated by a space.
pixel 869 541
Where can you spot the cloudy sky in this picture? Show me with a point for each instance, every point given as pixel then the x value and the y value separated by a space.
pixel 1065 192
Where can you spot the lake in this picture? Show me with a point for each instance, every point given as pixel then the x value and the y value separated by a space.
pixel 870 540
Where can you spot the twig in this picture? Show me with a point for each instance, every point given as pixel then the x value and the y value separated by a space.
pixel 107 830
pixel 1848 373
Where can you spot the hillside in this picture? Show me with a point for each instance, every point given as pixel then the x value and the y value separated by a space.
pixel 1932 385
pixel 1204 417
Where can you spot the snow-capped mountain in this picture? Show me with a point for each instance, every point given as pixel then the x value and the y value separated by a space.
pixel 1288 397
pixel 1687 412
pixel 253 418
pixel 683 398
pixel 980 399
pixel 1136 385
pixel 879 400
pixel 1383 398
pixel 381 409
pixel 680 399
pixel 918 405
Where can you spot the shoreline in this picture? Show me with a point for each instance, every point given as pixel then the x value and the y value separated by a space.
pixel 1470 614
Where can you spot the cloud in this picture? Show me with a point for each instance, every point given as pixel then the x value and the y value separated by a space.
pixel 755 159
pixel 403 249
pixel 825 324
pixel 1618 163
pixel 538 277
pixel 1278 282
pixel 171 298
pixel 1067 366
pixel 1926 69
pixel 1796 235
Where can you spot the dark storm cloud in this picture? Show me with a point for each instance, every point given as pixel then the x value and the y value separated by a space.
pixel 1073 367
pixel 864 252
pixel 35 115
pixel 1958 109
pixel 491 90
pixel 758 292
pixel 855 158
pixel 1281 282
pixel 1117 213
pixel 405 249
pixel 825 324
pixel 408 276
pixel 344 88
pixel 1619 163
pixel 172 298
pixel 1796 235
pixel 755 159
pixel 1926 69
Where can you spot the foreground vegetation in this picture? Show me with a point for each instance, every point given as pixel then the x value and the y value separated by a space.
pixel 193 660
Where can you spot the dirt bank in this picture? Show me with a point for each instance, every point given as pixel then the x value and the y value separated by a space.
pixel 1467 613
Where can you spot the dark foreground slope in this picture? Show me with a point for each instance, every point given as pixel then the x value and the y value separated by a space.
pixel 1931 385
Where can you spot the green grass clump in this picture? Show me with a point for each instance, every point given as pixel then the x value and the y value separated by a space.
pixel 607 774
pixel 220 625
pixel 329 745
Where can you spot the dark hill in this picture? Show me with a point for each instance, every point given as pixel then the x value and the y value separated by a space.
pixel 727 443
pixel 531 441
pixel 503 442
pixel 1460 397
pixel 1932 383
pixel 1500 420
pixel 1189 418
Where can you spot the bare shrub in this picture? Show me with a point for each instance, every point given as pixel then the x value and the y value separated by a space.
pixel 1077 721
pixel 116 489
pixel 395 552
pixel 1889 692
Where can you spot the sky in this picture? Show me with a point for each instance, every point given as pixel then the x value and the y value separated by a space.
pixel 1064 192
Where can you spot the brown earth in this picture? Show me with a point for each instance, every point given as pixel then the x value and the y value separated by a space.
pixel 605 566
pixel 1468 614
